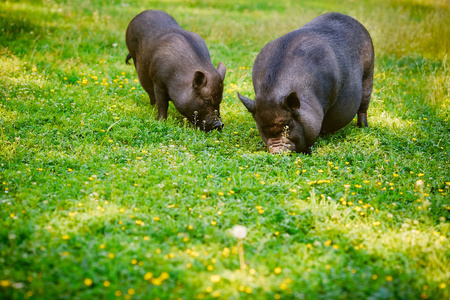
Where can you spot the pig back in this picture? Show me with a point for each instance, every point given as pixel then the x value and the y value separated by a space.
pixel 349 39
pixel 352 51
pixel 148 25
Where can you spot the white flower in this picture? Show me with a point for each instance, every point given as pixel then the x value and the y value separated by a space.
pixel 18 285
pixel 239 232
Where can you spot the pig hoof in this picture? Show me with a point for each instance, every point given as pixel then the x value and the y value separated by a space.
pixel 362 120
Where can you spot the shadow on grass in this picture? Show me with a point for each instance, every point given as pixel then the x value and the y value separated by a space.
pixel 20 31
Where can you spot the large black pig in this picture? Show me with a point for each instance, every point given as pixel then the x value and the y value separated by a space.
pixel 175 65
pixel 312 81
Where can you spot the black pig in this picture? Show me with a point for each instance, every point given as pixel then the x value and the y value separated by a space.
pixel 174 65
pixel 310 81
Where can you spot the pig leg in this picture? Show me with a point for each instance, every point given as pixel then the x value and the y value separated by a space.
pixel 162 100
pixel 151 93
pixel 146 82
pixel 344 110
pixel 367 85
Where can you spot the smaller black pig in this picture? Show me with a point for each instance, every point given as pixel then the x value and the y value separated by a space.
pixel 174 65
pixel 312 80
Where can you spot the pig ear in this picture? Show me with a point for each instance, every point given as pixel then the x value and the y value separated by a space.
pixel 248 103
pixel 291 102
pixel 222 70
pixel 199 80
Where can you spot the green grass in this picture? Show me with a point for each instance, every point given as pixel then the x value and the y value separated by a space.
pixel 96 194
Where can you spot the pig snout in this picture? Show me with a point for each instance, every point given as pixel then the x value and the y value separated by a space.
pixel 215 125
pixel 218 125
pixel 278 147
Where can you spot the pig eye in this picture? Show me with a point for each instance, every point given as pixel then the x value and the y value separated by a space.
pixel 207 101
pixel 290 124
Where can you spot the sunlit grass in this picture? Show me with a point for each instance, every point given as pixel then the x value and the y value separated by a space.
pixel 100 200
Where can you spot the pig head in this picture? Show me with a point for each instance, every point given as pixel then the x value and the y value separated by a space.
pixel 199 99
pixel 282 125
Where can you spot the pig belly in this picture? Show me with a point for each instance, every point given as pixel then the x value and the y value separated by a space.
pixel 343 111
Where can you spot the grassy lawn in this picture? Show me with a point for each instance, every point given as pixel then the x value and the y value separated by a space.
pixel 98 200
